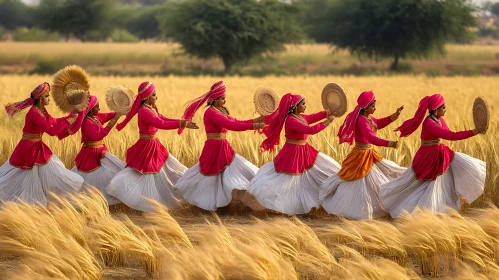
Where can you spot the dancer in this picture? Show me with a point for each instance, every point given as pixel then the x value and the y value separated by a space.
pixel 221 175
pixel 94 162
pixel 150 171
pixel 290 184
pixel 353 192
pixel 439 177
pixel 32 170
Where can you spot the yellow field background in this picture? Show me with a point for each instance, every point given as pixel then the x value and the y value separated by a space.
pixel 83 240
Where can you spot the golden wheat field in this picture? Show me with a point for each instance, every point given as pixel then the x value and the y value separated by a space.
pixel 82 239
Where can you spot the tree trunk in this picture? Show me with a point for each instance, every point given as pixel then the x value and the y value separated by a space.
pixel 228 63
pixel 395 64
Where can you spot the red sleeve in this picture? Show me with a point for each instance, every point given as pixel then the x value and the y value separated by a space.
pixel 296 125
pixel 313 118
pixel 444 132
pixel 105 117
pixel 149 118
pixel 365 129
pixel 228 123
pixel 94 131
pixel 239 121
pixel 383 122
pixel 37 119
pixel 166 119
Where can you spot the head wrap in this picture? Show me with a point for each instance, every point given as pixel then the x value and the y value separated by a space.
pixel 40 91
pixel 144 91
pixel 427 103
pixel 217 90
pixel 346 133
pixel 277 119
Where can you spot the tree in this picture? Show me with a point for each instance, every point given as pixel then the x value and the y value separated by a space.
pixel 234 30
pixel 76 17
pixel 494 8
pixel 144 23
pixel 391 28
pixel 13 13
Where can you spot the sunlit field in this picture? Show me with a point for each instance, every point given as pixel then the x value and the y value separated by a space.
pixel 83 240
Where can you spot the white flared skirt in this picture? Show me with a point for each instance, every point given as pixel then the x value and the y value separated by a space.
pixel 34 185
pixel 359 199
pixel 101 177
pixel 212 192
pixel 133 188
pixel 465 176
pixel 292 194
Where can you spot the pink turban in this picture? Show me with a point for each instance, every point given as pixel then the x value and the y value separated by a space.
pixel 276 120
pixel 346 132
pixel 40 91
pixel 427 103
pixel 145 90
pixel 217 90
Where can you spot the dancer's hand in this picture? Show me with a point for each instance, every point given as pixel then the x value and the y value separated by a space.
pixel 478 131
pixel 396 115
pixel 258 125
pixel 260 119
pixel 192 125
pixel 393 144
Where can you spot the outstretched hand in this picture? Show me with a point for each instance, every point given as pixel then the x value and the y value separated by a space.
pixel 192 125
pixel 395 115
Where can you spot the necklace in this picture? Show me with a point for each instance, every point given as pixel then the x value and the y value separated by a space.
pixel 435 119
pixel 41 112
pixel 300 118
pixel 94 120
pixel 150 108
pixel 222 110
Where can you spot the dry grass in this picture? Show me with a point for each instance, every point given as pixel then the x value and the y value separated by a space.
pixel 40 243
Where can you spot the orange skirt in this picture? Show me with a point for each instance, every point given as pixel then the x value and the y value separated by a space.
pixel 358 163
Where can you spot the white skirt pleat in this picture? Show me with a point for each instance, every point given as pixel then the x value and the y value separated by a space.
pixel 292 194
pixel 359 199
pixel 465 176
pixel 101 177
pixel 33 185
pixel 212 192
pixel 133 188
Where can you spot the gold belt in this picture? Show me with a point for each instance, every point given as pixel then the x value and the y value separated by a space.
pixel 93 144
pixel 430 142
pixel 295 141
pixel 363 146
pixel 216 136
pixel 147 136
pixel 32 136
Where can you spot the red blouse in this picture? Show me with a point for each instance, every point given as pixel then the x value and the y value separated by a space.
pixel 298 157
pixel 31 150
pixel 217 153
pixel 434 160
pixel 148 155
pixel 93 150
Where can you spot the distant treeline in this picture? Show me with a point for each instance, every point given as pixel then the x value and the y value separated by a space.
pixel 237 30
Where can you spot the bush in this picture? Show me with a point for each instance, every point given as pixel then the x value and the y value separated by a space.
pixel 47 66
pixel 3 33
pixel 23 34
pixel 123 36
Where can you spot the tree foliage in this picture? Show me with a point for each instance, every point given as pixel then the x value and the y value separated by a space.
pixel 13 13
pixel 390 28
pixel 76 17
pixel 234 30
